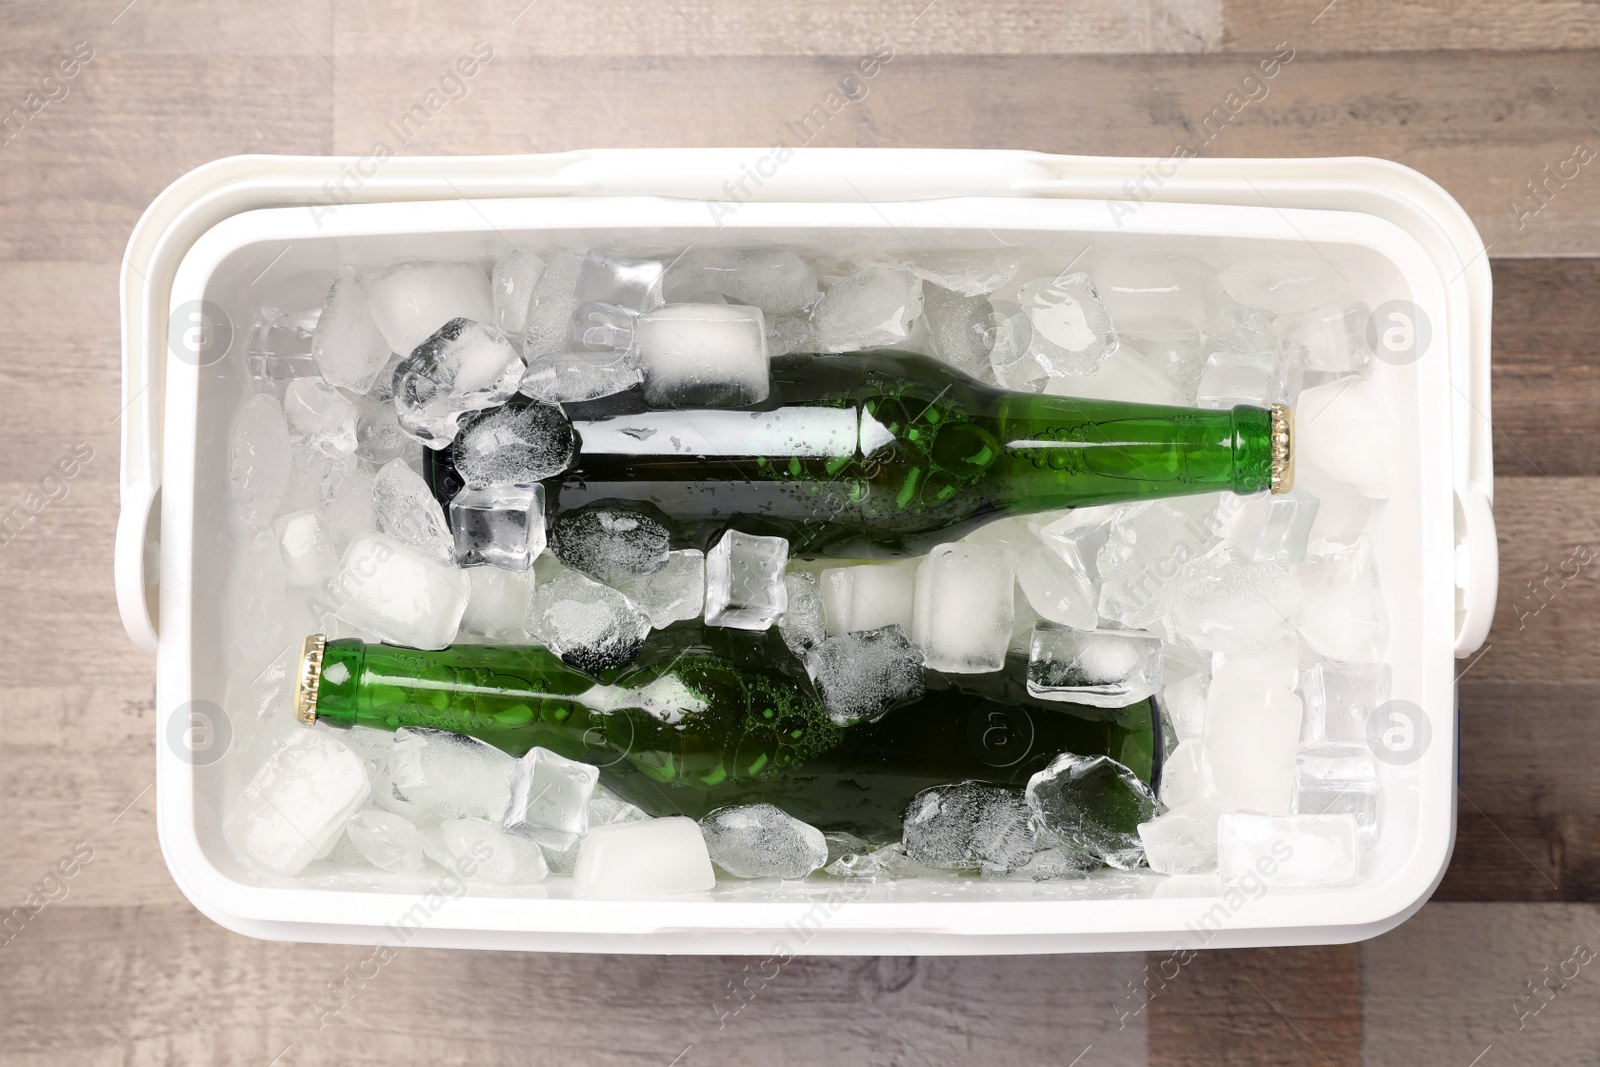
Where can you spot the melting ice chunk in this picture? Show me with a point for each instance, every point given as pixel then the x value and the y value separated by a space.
pixel 1258 378
pixel 1293 850
pixel 712 355
pixel 1272 528
pixel 634 284
pixel 433 775
pixel 872 309
pixel 1339 697
pixel 411 301
pixel 1146 547
pixel 969 826
pixel 501 526
pixel 386 588
pixel 552 304
pixel 1095 804
pixel 1344 616
pixel 1102 668
pixel 762 841
pixel 278 350
pixel 259 460
pixel 744 581
pixel 864 675
pixel 321 414
pixel 500 604
pixel 518 444
pixel 493 855
pixel 1070 331
pixel 804 622
pixel 550 799
pixel 643 859
pixel 386 840
pixel 512 284
pixel 1344 430
pixel 1334 337
pixel 675 592
pixel 1251 735
pixel 1339 780
pixel 297 803
pixel 1226 605
pixel 963 329
pixel 1138 289
pixel 869 597
pixel 773 279
pixel 406 510
pixel 964 608
pixel 1183 840
pixel 465 366
pixel 611 544
pixel 590 626
pixel 349 349
pixel 573 377
pixel 309 556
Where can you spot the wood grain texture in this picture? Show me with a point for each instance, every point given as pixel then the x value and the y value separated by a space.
pixel 1280 1007
pixel 1413 25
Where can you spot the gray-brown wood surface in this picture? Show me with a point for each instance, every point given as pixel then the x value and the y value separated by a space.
pixel 1482 95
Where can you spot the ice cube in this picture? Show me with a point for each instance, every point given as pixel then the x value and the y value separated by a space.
pixel 602 328
pixel 552 304
pixel 1078 536
pixel 322 414
pixel 962 328
pixel 1241 331
pixel 1095 804
pixel 1293 850
pixel 259 460
pixel 405 509
pixel 804 622
pixel 964 608
pixel 1274 665
pixel 869 597
pixel 864 675
pixel 433 775
pixel 590 626
pixel 297 802
pixel 1102 668
pixel 876 864
pixel 573 377
pixel 379 436
pixel 1183 840
pixel 1251 734
pixel 712 355
pixel 257 597
pixel 1339 697
pixel 1258 378
pixel 512 284
pixel 872 309
pixel 1054 588
pixel 1123 375
pixel 762 841
pixel 773 279
pixel 1070 330
pixel 1272 528
pixel 519 444
pixel 411 301
pixel 1183 775
pixel 349 512
pixel 1056 861
pixel 607 809
pixel 1339 780
pixel 1283 286
pixel 634 284
pixel 349 349
pixel 1344 430
pixel 787 334
pixel 1144 287
pixel 386 588
pixel 1334 337
pixel 550 799
pixel 1344 616
pixel 744 581
pixel 1342 509
pixel 309 555
pixel 969 826
pixel 1172 346
pixel 491 854
pixel 386 840
pixel 278 350
pixel 500 604
pixel 1185 701
pixel 466 366
pixel 675 592
pixel 1144 553
pixel 611 544
pixel 643 859
pixel 314 475
pixel 501 526
pixel 1226 605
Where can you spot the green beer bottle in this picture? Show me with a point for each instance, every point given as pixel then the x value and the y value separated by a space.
pixel 707 717
pixel 884 453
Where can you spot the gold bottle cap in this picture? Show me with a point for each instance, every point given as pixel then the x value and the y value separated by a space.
pixel 308 678
pixel 1282 434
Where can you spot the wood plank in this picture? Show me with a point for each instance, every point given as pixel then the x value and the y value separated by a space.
pixel 1482 124
pixel 1546 400
pixel 1412 25
pixel 164 984
pixel 1282 1007
pixel 1528 797
pixel 1450 987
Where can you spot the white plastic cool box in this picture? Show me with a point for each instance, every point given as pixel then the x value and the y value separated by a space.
pixel 243 228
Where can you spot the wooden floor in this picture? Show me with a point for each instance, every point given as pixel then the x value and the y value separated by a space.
pixel 1482 95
